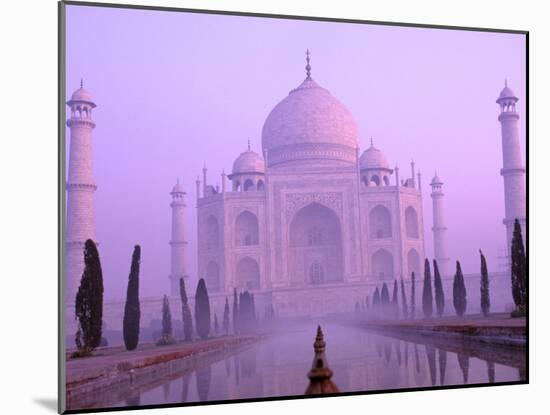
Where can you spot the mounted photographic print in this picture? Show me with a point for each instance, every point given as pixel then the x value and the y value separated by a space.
pixel 260 207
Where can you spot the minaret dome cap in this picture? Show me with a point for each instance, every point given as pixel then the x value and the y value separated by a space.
pixel 81 95
pixel 436 180
pixel 178 188
pixel 506 93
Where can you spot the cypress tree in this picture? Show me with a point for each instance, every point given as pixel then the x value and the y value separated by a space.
pixel 89 301
pixel 216 326
pixel 253 318
pixel 130 329
pixel 427 297
pixel 404 301
pixel 166 336
pixel 202 310
pixel 464 363
pixel 384 301
pixel 459 291
pixel 385 295
pixel 484 286
pixel 394 301
pixel 235 312
pixel 186 317
pixel 519 270
pixel 226 318
pixel 242 313
pixel 442 365
pixel 413 295
pixel 376 302
pixel 247 313
pixel 439 294
pixel 166 317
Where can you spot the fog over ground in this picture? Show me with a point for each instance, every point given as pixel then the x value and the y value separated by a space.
pixel 176 90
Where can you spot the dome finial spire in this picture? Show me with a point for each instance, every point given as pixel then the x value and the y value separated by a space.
pixel 81 83
pixel 308 66
pixel 371 142
pixel 249 144
pixel 506 82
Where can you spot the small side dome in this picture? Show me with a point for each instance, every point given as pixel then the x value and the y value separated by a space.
pixel 248 162
pixel 373 158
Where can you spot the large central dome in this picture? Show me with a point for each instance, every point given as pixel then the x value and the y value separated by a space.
pixel 310 124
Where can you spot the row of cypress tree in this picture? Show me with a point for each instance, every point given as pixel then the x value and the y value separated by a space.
pixel 383 306
pixel 245 320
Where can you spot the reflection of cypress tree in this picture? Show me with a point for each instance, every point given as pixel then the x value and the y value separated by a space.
pixel 491 371
pixel 236 368
pixel 166 391
pixel 420 368
pixel 378 346
pixel 203 376
pixel 404 306
pixel 387 350
pixel 248 364
pixel 133 401
pixel 397 345
pixel 430 355
pixel 227 367
pixel 464 363
pixel 442 365
pixel 184 387
pixel 407 354
pixel 427 297
pixel 417 359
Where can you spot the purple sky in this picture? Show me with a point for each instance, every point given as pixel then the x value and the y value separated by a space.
pixel 175 90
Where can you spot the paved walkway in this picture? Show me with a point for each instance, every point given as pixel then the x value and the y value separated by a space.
pixel 116 359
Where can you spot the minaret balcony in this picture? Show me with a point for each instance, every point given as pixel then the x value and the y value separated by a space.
pixel 80 122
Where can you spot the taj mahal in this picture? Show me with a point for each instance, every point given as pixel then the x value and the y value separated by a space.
pixel 310 223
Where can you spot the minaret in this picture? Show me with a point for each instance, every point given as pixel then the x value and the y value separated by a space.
pixel 513 170
pixel 439 227
pixel 81 188
pixel 177 241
